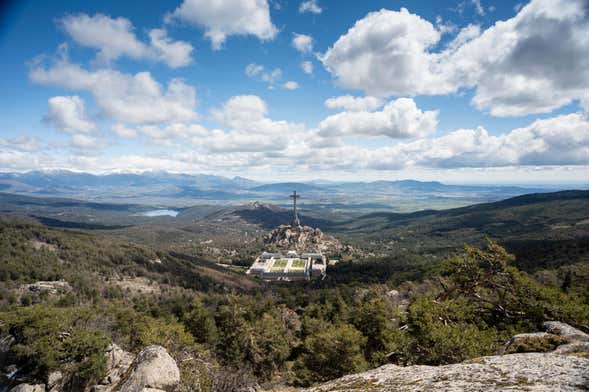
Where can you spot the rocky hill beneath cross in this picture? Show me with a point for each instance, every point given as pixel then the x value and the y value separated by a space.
pixel 304 239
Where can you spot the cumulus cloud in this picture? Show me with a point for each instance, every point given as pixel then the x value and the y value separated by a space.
pixel 258 143
pixel 174 53
pixel 386 53
pixel 115 37
pixel 222 18
pixel 556 141
pixel 84 142
pixel 351 103
pixel 539 61
pixel 249 128
pixel 136 99
pixel 310 6
pixel 169 133
pixel 291 85
pixel 124 132
pixel 259 73
pixel 534 62
pixel 307 67
pixel 303 43
pixel 21 144
pixel 253 69
pixel 68 114
pixel 241 110
pixel 398 119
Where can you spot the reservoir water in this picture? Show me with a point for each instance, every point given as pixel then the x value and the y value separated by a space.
pixel 160 213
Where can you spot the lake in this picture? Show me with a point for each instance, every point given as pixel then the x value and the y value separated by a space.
pixel 160 213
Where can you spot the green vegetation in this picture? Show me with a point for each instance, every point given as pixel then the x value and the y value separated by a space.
pixel 536 344
pixel 298 263
pixel 298 333
pixel 280 263
pixel 50 338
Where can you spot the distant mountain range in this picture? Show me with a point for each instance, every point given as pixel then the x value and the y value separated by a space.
pixel 182 190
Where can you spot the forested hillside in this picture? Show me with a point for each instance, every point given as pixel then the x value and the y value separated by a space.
pixel 240 332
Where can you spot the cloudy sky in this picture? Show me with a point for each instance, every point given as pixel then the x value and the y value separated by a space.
pixel 456 91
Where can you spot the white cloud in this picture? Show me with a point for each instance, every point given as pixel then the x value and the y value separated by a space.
pixel 351 103
pixel 310 6
pixel 445 27
pixel 478 7
pixel 84 142
pixel 174 131
pixel 272 76
pixel 398 119
pixel 385 53
pixel 68 114
pixel 124 132
pixel 560 140
pixel 258 72
pixel 534 62
pixel 248 128
pixel 115 37
pixel 307 67
pixel 222 18
pixel 136 99
pixel 291 85
pixel 241 110
pixel 557 147
pixel 174 53
pixel 302 42
pixel 253 69
pixel 21 143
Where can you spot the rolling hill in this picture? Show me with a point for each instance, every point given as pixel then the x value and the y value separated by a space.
pixel 543 230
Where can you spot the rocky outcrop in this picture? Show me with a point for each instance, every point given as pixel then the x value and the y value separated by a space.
pixel 564 368
pixel 118 362
pixel 304 239
pixel 29 388
pixel 515 372
pixel 565 330
pixel 50 287
pixel 558 337
pixel 55 381
pixel 153 368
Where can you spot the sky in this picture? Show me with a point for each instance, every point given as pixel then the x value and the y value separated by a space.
pixel 460 91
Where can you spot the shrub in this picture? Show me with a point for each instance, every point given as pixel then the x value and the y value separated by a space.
pixel 50 338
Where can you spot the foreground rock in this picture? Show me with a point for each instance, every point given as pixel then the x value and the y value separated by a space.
pixel 565 367
pixel 28 388
pixel 153 368
pixel 118 362
pixel 530 372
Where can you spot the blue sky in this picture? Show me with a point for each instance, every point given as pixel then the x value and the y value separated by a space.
pixel 457 91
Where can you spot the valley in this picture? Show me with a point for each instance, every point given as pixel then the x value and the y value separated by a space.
pixel 146 277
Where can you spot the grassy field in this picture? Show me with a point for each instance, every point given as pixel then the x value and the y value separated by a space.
pixel 280 263
pixel 298 263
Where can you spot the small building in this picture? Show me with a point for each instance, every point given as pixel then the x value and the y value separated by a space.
pixel 289 266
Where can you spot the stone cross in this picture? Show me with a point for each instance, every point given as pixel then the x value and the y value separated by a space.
pixel 295 221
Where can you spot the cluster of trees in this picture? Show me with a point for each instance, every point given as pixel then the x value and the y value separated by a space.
pixel 297 334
